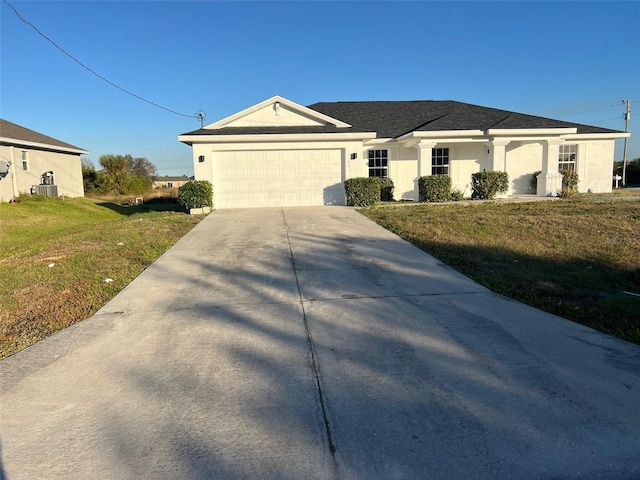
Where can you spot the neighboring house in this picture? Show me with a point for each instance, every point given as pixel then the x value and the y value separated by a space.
pixel 32 159
pixel 279 153
pixel 170 182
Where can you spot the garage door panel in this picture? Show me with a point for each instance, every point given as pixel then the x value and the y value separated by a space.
pixel 278 178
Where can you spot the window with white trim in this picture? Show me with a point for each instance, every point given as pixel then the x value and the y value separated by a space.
pixel 567 158
pixel 378 163
pixel 25 163
pixel 440 161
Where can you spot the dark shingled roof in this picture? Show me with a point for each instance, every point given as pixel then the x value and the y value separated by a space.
pixel 392 119
pixel 17 132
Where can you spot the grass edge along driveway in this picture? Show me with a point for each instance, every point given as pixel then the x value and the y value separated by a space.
pixel 61 260
pixel 575 257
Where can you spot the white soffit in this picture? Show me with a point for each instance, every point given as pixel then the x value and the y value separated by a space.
pixel 441 134
pixel 531 131
pixel 277 111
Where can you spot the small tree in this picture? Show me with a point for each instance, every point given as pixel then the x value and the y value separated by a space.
pixel 570 182
pixel 114 164
pixel 196 194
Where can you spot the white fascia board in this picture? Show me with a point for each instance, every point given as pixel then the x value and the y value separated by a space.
pixel 379 141
pixel 277 98
pixel 41 146
pixel 530 131
pixel 284 137
pixel 442 134
pixel 596 136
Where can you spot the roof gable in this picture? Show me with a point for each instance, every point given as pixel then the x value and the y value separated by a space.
pixel 277 112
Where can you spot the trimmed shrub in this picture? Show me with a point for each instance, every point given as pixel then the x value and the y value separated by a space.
pixel 196 194
pixel 362 191
pixel 386 189
pixel 434 188
pixel 486 185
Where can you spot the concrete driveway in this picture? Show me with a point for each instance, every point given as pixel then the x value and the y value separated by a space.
pixel 309 343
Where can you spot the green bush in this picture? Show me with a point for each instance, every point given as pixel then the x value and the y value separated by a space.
pixel 457 195
pixel 196 194
pixel 485 185
pixel 386 189
pixel 362 191
pixel 570 182
pixel 434 188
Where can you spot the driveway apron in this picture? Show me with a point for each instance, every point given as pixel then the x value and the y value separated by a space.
pixel 304 343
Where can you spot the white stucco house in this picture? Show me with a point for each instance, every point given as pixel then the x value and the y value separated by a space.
pixel 31 162
pixel 280 153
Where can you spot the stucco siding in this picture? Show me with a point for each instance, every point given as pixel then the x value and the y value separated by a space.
pixel 595 166
pixel 523 159
pixel 67 171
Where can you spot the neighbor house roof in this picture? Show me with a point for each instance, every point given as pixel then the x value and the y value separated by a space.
pixel 392 119
pixel 14 134
pixel 169 178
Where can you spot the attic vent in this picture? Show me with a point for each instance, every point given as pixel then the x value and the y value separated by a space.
pixel 276 107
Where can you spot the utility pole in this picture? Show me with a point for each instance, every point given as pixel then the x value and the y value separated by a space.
pixel 627 116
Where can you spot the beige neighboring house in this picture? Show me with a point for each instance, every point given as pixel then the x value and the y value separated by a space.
pixel 170 182
pixel 280 153
pixel 31 162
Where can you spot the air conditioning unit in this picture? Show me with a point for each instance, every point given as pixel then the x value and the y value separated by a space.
pixel 46 190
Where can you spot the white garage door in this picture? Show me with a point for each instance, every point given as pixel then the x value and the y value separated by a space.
pixel 279 178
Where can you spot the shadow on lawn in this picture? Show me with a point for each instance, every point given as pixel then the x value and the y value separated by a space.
pixel 153 205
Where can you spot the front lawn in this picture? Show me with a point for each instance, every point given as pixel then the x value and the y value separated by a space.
pixel 61 260
pixel 578 258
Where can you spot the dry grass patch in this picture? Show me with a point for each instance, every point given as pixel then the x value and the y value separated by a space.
pixel 56 255
pixel 573 257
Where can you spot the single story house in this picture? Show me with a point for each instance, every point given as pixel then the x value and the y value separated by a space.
pixel 280 153
pixel 31 162
pixel 170 182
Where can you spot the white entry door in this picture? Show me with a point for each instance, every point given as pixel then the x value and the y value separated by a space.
pixel 278 178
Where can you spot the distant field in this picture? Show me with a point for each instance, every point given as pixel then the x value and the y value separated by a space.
pixel 56 254
pixel 572 257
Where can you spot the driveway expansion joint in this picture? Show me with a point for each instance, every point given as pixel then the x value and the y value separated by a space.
pixel 314 358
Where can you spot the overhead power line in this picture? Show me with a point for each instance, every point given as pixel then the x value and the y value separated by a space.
pixel 197 115
pixel 588 111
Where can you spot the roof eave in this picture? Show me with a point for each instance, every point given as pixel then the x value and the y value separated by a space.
pixel 440 134
pixel 530 131
pixel 275 137
pixel 42 146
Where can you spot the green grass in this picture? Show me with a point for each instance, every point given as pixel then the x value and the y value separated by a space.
pixel 572 257
pixel 86 241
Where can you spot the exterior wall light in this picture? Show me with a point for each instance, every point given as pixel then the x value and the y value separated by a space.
pixel 201 159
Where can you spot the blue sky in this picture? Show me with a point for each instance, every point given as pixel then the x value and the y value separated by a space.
pixel 552 59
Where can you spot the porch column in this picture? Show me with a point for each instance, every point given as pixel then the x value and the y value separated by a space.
pixel 499 155
pixel 425 152
pixel 550 180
